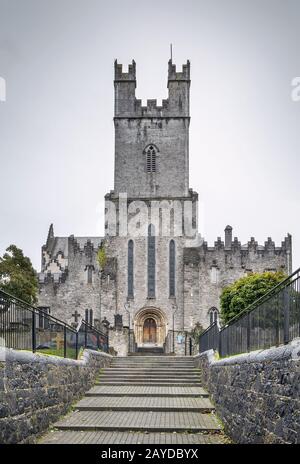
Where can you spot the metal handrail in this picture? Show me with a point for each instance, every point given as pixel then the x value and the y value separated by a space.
pixel 17 339
pixel 266 296
pixel 271 320
pixel 35 309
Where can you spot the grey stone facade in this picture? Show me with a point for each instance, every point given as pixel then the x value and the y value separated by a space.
pixel 256 395
pixel 70 279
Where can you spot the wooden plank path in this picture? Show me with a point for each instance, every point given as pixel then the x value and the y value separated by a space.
pixel 155 400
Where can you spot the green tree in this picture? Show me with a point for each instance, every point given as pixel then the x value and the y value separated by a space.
pixel 17 275
pixel 245 291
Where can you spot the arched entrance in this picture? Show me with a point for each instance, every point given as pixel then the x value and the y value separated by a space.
pixel 150 327
pixel 149 330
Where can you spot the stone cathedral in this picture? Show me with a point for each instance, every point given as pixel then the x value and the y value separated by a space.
pixel 157 282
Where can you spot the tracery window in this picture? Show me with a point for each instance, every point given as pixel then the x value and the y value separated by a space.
pixel 130 269
pixel 151 261
pixel 151 158
pixel 172 268
pixel 213 315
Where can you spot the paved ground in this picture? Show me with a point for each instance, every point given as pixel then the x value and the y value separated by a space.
pixel 155 400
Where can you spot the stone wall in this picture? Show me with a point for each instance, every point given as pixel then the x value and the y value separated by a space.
pixel 35 390
pixel 256 395
pixel 207 270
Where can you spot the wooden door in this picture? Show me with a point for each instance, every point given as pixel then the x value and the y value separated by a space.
pixel 149 331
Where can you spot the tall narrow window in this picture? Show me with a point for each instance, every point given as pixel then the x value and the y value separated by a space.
pixel 89 316
pixel 213 315
pixel 214 275
pixel 130 269
pixel 43 320
pixel 151 261
pixel 151 159
pixel 172 268
pixel 90 274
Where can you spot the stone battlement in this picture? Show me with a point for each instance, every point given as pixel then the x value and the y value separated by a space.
pixel 179 76
pixel 193 255
pixel 121 76
pixel 175 106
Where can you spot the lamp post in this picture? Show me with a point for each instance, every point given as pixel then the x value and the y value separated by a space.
pixel 127 307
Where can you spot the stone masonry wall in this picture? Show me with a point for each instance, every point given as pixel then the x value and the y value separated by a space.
pixel 256 395
pixel 35 390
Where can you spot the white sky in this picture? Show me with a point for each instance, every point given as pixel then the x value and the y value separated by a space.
pixel 56 128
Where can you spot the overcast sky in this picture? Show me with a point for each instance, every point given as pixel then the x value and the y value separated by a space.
pixel 56 126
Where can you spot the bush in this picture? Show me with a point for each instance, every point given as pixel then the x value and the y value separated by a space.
pixel 245 291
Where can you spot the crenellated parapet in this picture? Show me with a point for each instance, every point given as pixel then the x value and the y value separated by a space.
pixel 231 251
pixel 59 251
pixel 184 75
pixel 123 76
pixel 175 106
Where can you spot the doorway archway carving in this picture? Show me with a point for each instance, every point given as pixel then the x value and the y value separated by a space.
pixel 150 327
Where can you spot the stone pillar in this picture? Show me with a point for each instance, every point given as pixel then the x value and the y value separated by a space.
pixel 228 237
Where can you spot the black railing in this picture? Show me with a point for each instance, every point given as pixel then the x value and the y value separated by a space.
pixel 209 339
pixel 26 327
pixel 272 320
pixel 92 338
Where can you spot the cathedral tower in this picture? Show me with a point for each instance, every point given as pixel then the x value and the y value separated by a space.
pixel 152 142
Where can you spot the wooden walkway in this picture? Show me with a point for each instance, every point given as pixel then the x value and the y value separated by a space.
pixel 151 400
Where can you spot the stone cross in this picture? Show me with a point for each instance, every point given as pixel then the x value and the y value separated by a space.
pixel 76 315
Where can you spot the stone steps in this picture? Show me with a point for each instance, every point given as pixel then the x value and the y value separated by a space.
pixel 147 403
pixel 100 437
pixel 147 391
pixel 144 384
pixel 146 421
pixel 137 398
pixel 150 371
pixel 145 377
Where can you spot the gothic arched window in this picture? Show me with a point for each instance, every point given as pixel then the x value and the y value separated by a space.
pixel 130 269
pixel 172 268
pixel 90 270
pixel 151 261
pixel 151 158
pixel 213 315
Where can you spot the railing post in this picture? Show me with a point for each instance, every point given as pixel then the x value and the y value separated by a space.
pixel 248 332
pixel 220 343
pixel 286 316
pixel 85 336
pixel 65 341
pixel 76 345
pixel 33 332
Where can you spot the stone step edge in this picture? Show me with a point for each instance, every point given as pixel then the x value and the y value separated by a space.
pixel 201 410
pixel 150 377
pixel 148 369
pixel 154 395
pixel 95 428
pixel 140 384
pixel 145 379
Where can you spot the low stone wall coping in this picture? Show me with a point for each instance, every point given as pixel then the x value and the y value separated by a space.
pixel 11 355
pixel 292 351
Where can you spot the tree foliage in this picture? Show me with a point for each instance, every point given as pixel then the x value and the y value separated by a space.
pixel 196 331
pixel 245 291
pixel 102 258
pixel 17 275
